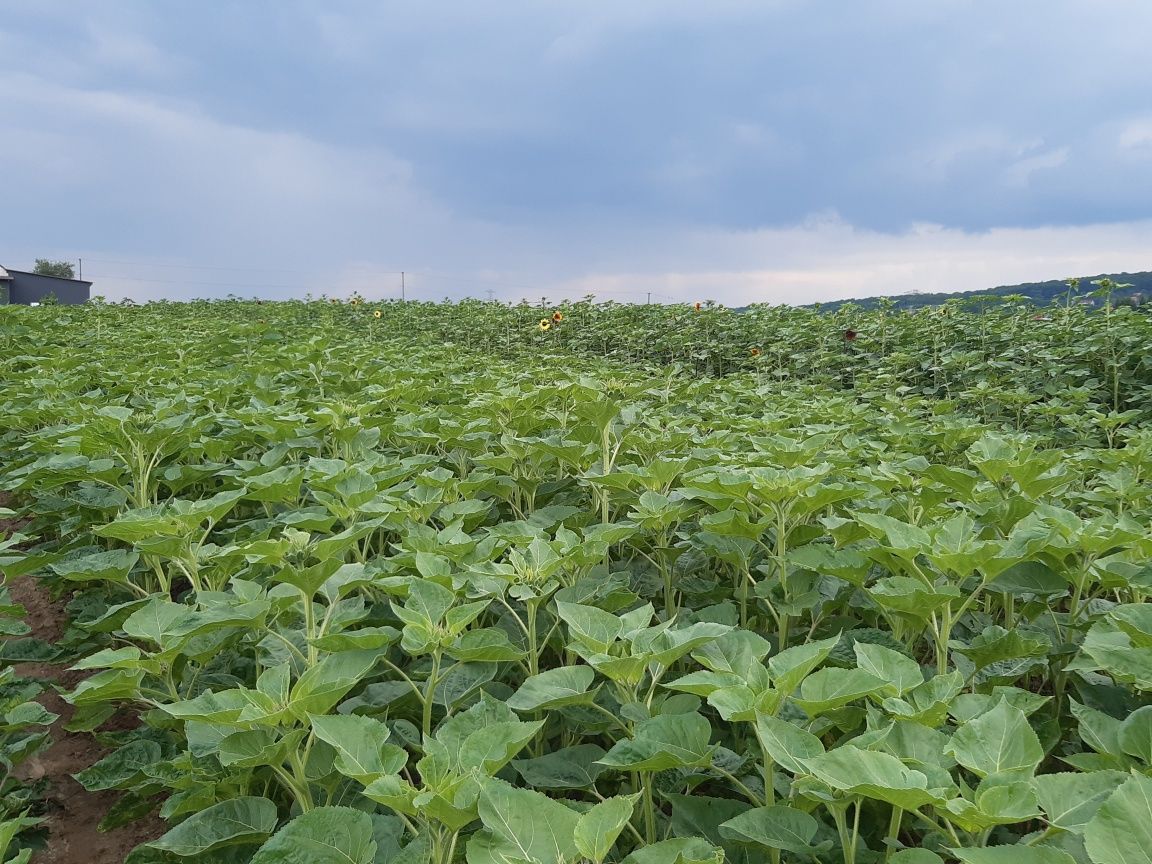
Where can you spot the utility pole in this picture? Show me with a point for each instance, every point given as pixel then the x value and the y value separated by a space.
pixel 79 268
pixel 402 287
pixel 649 303
pixel 491 294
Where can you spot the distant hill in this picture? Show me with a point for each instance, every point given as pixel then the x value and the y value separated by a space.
pixel 1040 293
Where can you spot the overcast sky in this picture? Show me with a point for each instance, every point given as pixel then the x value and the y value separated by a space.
pixel 761 151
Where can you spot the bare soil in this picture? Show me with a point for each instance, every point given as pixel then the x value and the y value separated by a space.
pixel 72 814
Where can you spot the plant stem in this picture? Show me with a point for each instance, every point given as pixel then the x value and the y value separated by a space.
pixel 429 692
pixel 893 838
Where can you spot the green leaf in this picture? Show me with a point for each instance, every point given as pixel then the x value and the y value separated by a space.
pixel 665 741
pixel 1135 735
pixel 326 683
pixel 916 856
pixel 539 828
pixel 679 850
pixel 254 748
pixel 791 666
pixel 155 621
pixel 698 815
pixel 362 751
pixel 902 539
pixel 569 768
pixel 832 688
pixel 736 652
pixel 1121 830
pixel 491 748
pixel 1013 855
pixel 874 775
pixel 427 603
pixel 325 835
pixel 1098 730
pixel 485 847
pixel 1071 800
pixel 911 597
pixel 786 743
pixel 597 830
pixel 566 685
pixel 224 706
pixel 776 827
pixel 1030 577
pixel 113 566
pixel 901 673
pixel 360 639
pixel 593 628
pixel 486 645
pixel 120 766
pixel 999 741
pixel 237 820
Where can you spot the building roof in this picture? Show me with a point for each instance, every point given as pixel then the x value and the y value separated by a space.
pixel 8 275
pixel 4 274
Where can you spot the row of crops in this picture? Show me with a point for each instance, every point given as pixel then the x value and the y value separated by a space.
pixel 443 585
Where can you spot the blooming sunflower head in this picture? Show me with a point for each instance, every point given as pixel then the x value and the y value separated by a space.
pixel 849 335
pixel 755 352
pixel 545 325
pixel 334 301
pixel 377 314
pixel 557 317
pixel 697 305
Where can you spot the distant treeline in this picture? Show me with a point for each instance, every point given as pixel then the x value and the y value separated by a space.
pixel 1039 293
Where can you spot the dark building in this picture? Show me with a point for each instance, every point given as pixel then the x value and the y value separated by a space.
pixel 16 286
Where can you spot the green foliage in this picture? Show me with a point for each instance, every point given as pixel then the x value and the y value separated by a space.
pixel 442 586
pixel 60 269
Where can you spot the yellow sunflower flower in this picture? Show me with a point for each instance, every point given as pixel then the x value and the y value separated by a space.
pixel 377 314
pixel 545 325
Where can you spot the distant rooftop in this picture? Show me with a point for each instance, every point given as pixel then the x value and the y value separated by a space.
pixel 7 274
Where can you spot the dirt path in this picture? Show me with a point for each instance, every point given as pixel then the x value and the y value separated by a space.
pixel 72 813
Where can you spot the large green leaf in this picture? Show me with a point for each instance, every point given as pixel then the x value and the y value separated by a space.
pixel 568 768
pixel 597 829
pixel 874 775
pixel 1071 800
pixel 776 827
pixel 593 628
pixel 832 688
pixel 792 665
pixel 113 566
pixel 1013 855
pixel 120 766
pixel 237 820
pixel 491 748
pixel 679 850
pixel 325 835
pixel 538 828
pixel 553 688
pixel 1135 736
pixel 1121 830
pixel 900 672
pixel 326 683
pixel 362 749
pixel 786 743
pixel 1000 741
pixel 665 741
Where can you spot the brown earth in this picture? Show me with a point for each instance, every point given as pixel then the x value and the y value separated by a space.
pixel 72 814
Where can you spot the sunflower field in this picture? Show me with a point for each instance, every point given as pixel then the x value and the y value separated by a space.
pixel 430 583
